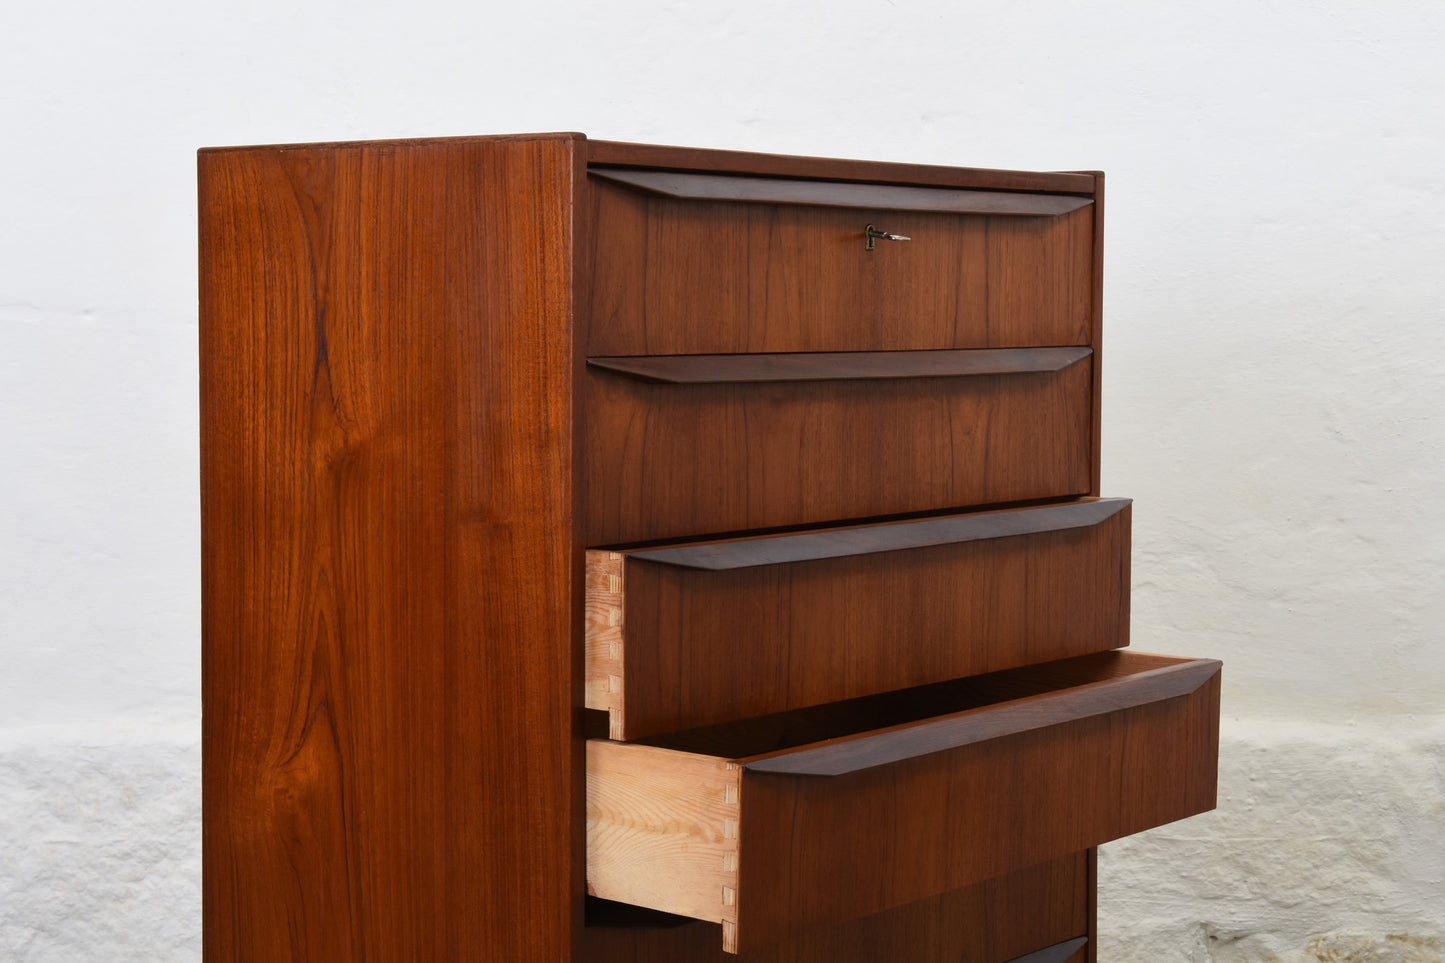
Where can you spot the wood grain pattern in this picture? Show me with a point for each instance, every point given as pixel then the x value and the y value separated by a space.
pixel 693 369
pixel 709 277
pixel 968 814
pixel 703 634
pixel 404 451
pixel 667 461
pixel 386 414
pixel 992 922
pixel 603 644
pixel 716 187
pixel 619 154
pixel 910 827
pixel 674 813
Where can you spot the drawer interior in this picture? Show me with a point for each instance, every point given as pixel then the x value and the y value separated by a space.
pixel 767 736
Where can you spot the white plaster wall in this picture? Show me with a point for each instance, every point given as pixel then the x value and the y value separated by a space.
pixel 1275 366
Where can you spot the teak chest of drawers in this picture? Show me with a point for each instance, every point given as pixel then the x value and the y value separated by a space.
pixel 637 555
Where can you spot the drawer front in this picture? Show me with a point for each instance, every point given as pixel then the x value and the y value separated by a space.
pixel 688 447
pixel 1080 752
pixel 1034 915
pixel 694 635
pixel 703 264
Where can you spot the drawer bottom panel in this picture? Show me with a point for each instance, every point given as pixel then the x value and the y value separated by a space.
pixel 997 921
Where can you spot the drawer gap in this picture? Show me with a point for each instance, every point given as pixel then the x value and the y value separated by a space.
pixel 828 526
pixel 751 738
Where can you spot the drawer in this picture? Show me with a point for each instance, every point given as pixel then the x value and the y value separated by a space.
pixel 697 634
pixel 688 446
pixel 703 263
pixel 1034 915
pixel 775 825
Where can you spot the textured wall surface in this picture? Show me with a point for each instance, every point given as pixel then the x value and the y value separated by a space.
pixel 102 853
pixel 1328 845
pixel 1275 366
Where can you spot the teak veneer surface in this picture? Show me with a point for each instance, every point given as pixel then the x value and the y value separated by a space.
pixel 676 276
pixel 669 461
pixel 997 921
pixel 405 453
pixel 391 769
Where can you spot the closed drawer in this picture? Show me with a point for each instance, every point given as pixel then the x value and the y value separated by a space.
pixel 686 446
pixel 1034 915
pixel 779 824
pixel 692 635
pixel 705 263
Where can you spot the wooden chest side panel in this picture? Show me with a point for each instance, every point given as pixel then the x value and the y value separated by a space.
pixel 390 767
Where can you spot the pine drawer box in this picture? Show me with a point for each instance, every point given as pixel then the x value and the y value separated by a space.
pixel 781 472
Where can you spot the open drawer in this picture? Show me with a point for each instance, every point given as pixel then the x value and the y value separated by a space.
pixel 781 823
pixel 703 633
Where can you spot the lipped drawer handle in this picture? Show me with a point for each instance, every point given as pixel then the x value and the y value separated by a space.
pixel 840 757
pixel 706 369
pixel 728 188
pixel 897 536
